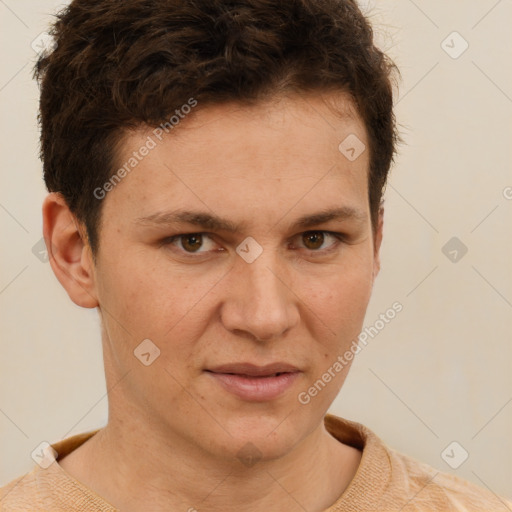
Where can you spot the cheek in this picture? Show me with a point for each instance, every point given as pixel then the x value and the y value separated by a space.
pixel 154 300
pixel 341 298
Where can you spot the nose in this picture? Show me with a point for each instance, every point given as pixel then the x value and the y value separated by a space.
pixel 259 301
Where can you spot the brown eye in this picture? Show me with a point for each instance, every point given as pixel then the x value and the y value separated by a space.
pixel 313 239
pixel 192 242
pixel 193 245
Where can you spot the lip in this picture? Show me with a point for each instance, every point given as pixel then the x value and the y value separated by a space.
pixel 253 370
pixel 255 383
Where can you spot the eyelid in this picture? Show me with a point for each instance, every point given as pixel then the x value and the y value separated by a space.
pixel 340 237
pixel 171 239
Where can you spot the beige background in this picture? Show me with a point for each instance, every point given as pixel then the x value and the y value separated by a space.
pixel 441 371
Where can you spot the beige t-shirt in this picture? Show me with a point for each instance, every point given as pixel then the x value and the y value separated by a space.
pixel 385 481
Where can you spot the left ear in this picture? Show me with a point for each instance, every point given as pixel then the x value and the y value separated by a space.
pixel 377 241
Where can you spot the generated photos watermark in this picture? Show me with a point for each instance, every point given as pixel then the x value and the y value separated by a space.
pixel 304 397
pixel 144 150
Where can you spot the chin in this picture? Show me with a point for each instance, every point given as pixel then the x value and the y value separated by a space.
pixel 261 435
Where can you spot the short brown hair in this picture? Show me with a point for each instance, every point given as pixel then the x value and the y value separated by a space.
pixel 122 64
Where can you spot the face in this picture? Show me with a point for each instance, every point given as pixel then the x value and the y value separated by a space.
pixel 241 246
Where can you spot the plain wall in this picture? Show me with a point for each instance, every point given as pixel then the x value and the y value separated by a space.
pixel 440 371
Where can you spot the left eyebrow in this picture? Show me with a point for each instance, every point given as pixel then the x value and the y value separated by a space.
pixel 209 221
pixel 339 214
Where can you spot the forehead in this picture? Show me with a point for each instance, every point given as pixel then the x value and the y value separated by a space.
pixel 259 159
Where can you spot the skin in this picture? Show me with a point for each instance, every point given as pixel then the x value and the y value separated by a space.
pixel 174 433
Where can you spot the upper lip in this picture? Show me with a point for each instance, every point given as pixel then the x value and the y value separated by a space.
pixel 254 370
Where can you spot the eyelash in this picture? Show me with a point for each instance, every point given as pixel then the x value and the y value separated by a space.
pixel 340 238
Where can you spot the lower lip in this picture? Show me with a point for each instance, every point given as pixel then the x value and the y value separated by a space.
pixel 257 389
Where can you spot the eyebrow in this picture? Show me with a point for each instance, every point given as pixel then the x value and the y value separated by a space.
pixel 216 223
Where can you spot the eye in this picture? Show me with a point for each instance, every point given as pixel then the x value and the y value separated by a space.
pixel 314 240
pixel 191 243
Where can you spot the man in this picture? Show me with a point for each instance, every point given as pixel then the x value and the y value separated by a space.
pixel 216 173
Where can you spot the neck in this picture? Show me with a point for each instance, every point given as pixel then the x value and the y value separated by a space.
pixel 131 468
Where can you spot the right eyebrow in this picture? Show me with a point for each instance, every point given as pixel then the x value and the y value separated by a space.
pixel 201 219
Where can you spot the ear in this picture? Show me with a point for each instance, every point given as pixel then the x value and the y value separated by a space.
pixel 377 241
pixel 68 251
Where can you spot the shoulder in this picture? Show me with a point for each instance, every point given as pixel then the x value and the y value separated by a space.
pixel 388 480
pixel 48 487
pixel 40 489
pixel 20 494
pixel 427 488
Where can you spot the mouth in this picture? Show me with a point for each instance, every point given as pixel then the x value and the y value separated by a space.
pixel 252 370
pixel 255 383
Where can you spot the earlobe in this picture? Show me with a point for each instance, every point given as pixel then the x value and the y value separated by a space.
pixel 68 251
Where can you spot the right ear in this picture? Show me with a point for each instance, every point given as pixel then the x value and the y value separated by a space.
pixel 69 251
